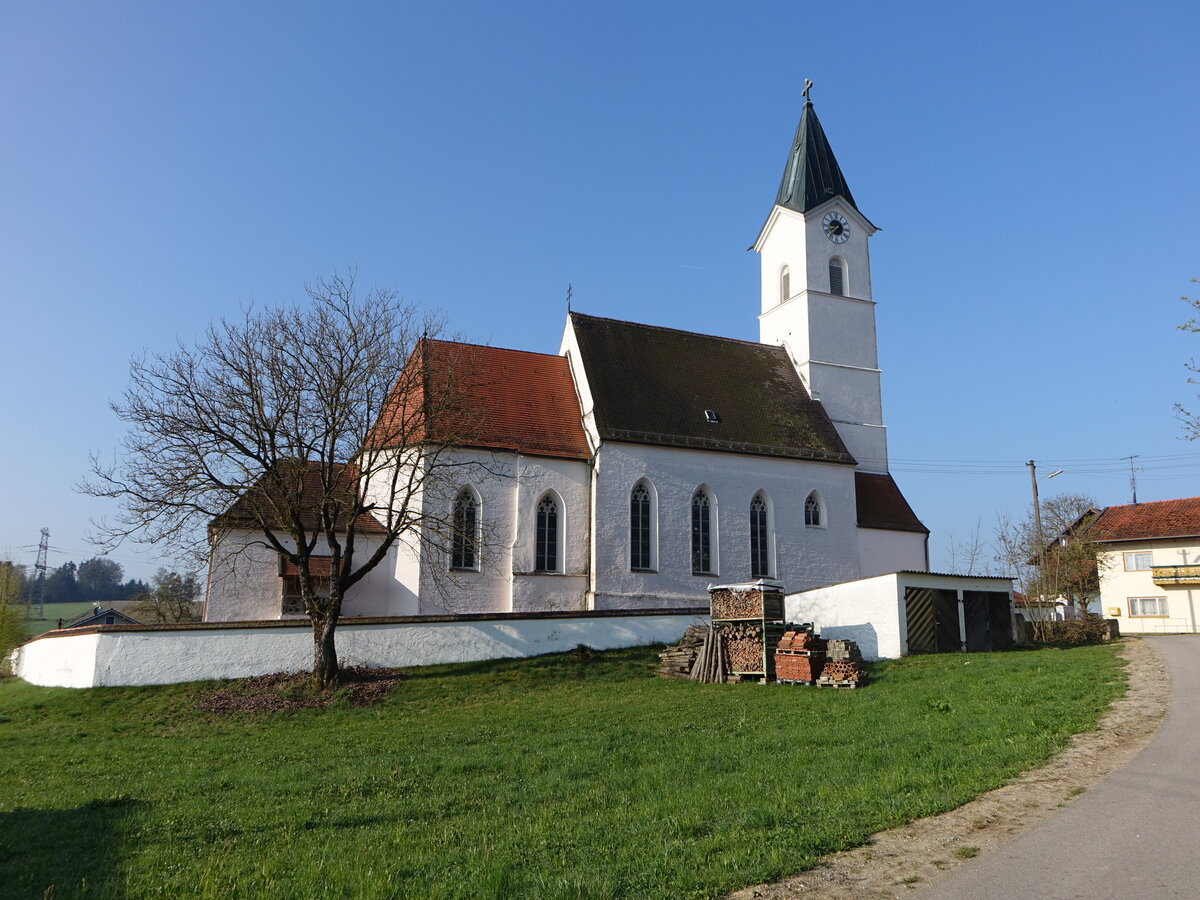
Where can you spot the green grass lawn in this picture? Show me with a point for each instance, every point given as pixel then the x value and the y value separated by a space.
pixel 52 612
pixel 560 776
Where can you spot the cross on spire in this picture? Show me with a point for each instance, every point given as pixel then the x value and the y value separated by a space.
pixel 807 87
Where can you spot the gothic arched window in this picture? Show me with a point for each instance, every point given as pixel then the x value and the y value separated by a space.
pixel 640 528
pixel 760 539
pixel 547 549
pixel 702 533
pixel 813 515
pixel 464 541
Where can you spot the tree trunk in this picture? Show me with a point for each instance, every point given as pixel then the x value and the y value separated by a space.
pixel 326 671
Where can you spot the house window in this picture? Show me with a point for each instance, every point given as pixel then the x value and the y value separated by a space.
pixel 293 596
pixel 785 283
pixel 1138 562
pixel 640 528
pixel 836 279
pixel 760 539
pixel 1148 606
pixel 702 537
pixel 547 549
pixel 464 541
pixel 813 515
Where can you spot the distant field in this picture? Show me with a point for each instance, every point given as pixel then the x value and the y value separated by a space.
pixel 53 612
pixel 567 776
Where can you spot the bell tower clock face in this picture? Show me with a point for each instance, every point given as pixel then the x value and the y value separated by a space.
pixel 836 228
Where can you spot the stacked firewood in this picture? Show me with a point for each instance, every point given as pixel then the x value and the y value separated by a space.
pixel 709 667
pixel 799 655
pixel 727 604
pixel 844 667
pixel 677 661
pixel 743 646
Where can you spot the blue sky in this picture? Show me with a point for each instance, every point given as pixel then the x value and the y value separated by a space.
pixel 1032 167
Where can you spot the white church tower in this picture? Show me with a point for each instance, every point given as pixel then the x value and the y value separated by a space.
pixel 816 291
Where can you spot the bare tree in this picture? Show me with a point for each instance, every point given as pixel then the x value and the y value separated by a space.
pixel 171 599
pixel 323 431
pixel 1190 420
pixel 970 553
pixel 1068 566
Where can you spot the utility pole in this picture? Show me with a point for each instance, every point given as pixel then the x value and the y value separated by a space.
pixel 1037 520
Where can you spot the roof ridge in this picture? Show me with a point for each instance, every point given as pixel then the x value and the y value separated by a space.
pixel 1143 503
pixel 492 347
pixel 715 337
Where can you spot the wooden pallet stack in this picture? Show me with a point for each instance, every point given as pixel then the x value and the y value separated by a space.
pixel 677 661
pixel 844 667
pixel 799 656
pixel 749 619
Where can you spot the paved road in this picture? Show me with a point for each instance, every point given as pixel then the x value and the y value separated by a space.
pixel 1135 836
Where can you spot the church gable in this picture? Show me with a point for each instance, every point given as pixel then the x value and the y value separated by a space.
pixel 660 386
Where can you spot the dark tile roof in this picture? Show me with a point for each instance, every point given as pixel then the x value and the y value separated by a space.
pixel 487 397
pixel 653 385
pixel 270 498
pixel 1158 519
pixel 812 174
pixel 881 505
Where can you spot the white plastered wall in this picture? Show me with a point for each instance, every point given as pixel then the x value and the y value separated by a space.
pixel 165 656
pixel 1117 586
pixel 880 552
pixel 245 585
pixel 804 556
pixel 509 486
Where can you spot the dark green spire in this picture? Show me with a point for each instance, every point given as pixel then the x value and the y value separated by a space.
pixel 812 174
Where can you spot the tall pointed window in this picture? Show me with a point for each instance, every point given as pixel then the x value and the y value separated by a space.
pixel 547 552
pixel 760 539
pixel 702 538
pixel 785 283
pixel 837 279
pixel 464 542
pixel 639 528
pixel 813 515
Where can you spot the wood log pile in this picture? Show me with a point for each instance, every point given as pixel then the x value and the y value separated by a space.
pixel 743 646
pixel 727 604
pixel 677 661
pixel 709 667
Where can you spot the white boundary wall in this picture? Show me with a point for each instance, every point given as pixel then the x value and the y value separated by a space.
pixel 139 655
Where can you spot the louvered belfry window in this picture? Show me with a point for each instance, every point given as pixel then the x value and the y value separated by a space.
pixel 836 284
pixel 639 527
pixel 547 535
pixel 760 557
pixel 785 284
pixel 701 534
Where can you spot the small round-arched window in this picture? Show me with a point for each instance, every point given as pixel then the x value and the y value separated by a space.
pixel 837 277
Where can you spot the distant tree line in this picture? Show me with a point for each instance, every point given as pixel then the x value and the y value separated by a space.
pixel 96 580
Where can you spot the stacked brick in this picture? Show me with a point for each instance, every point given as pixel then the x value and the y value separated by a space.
pixel 799 656
pixel 844 666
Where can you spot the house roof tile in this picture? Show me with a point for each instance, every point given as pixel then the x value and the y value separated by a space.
pixel 1158 519
pixel 654 385
pixel 881 505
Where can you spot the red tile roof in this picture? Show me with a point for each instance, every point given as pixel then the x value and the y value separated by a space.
pixel 270 499
pixel 881 505
pixel 485 397
pixel 1139 521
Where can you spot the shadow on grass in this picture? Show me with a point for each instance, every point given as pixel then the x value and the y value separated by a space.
pixel 63 852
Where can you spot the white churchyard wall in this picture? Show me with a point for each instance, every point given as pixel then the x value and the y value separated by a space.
pixel 139 654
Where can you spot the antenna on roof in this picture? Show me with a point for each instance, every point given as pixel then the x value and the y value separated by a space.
pixel 1132 477
pixel 807 87
pixel 570 294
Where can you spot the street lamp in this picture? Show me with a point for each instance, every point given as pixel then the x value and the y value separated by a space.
pixel 1037 514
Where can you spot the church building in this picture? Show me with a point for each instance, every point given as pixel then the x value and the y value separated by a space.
pixel 640 464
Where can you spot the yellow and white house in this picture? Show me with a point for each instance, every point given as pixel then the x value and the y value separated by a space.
pixel 1150 565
